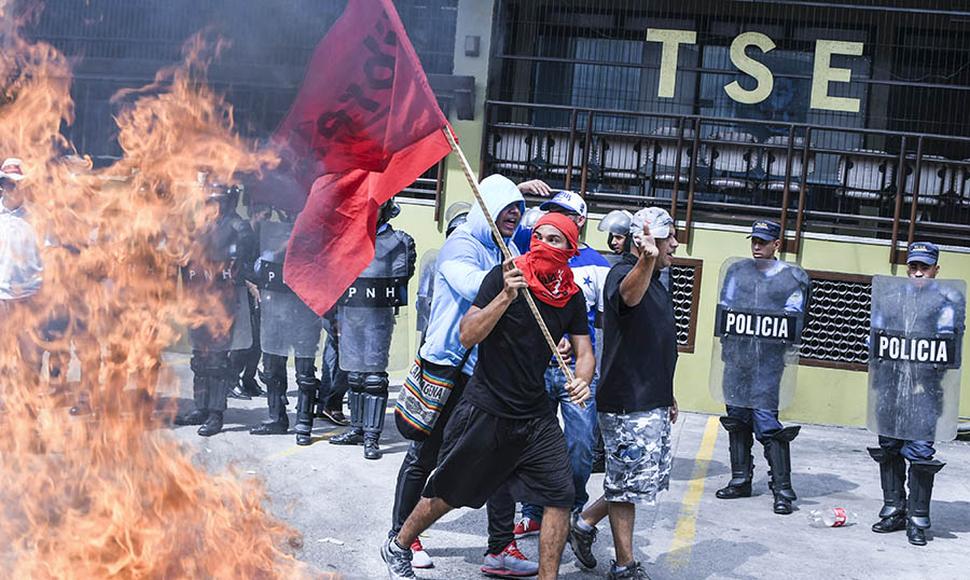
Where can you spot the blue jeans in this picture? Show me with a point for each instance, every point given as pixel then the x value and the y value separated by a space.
pixel 579 427
pixel 763 421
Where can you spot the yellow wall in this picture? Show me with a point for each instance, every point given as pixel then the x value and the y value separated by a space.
pixel 823 395
pixel 827 396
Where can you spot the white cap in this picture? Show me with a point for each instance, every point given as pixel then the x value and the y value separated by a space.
pixel 12 169
pixel 567 200
pixel 657 220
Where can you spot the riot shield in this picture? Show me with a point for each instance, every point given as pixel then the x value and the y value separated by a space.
pixel 757 329
pixel 914 357
pixel 286 323
pixel 371 317
pixel 215 292
pixel 242 325
pixel 426 275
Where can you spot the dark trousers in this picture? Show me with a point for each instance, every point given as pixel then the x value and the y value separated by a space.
pixel 912 450
pixel 246 362
pixel 420 461
pixel 763 421
pixel 335 378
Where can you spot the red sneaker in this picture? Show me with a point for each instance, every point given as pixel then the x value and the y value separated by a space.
pixel 527 527
pixel 420 558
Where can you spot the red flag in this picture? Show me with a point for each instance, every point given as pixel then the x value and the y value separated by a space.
pixel 365 122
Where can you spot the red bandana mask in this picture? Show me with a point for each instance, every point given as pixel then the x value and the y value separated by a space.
pixel 546 268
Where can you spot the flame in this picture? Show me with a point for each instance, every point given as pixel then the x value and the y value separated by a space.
pixel 110 494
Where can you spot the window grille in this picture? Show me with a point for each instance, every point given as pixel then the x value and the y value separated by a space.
pixel 838 321
pixel 685 286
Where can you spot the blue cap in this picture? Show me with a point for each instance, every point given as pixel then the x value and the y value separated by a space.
pixel 568 201
pixel 923 252
pixel 765 230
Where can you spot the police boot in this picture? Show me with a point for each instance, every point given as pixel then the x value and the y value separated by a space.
pixel 212 425
pixel 778 454
pixel 740 441
pixel 278 423
pixel 219 385
pixel 304 408
pixel 200 395
pixel 355 400
pixel 892 477
pixel 375 407
pixel 921 474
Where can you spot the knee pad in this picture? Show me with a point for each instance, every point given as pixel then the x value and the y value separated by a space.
pixel 274 368
pixel 376 384
pixel 305 366
pixel 209 364
pixel 355 381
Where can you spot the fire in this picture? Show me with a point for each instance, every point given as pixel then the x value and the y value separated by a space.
pixel 110 493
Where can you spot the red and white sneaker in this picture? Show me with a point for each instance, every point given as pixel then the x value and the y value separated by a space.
pixel 526 527
pixel 510 562
pixel 420 558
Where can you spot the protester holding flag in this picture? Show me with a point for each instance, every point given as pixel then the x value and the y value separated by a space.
pixel 464 260
pixel 504 429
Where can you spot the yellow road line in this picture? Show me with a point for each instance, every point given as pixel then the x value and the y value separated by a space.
pixel 297 448
pixel 679 553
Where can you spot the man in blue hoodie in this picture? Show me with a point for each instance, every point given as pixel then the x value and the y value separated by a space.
pixel 468 254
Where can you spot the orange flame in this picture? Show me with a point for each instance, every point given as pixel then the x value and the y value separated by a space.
pixel 109 494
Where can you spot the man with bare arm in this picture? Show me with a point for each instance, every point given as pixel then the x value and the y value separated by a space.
pixel 636 394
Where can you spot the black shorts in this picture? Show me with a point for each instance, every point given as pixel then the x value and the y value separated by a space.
pixel 481 452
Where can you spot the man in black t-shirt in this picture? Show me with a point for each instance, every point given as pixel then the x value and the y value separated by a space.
pixel 504 429
pixel 636 394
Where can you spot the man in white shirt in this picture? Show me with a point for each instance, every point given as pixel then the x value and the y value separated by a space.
pixel 20 263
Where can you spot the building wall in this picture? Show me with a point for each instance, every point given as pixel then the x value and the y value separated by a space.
pixel 828 396
pixel 824 395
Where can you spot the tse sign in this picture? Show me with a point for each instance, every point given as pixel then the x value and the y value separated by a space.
pixel 822 75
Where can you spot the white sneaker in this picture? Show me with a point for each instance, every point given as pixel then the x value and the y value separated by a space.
pixel 420 558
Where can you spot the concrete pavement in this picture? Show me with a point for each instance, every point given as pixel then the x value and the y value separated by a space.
pixel 342 504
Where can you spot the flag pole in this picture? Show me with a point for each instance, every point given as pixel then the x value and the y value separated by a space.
pixel 466 167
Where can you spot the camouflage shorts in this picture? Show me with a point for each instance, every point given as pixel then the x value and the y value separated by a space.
pixel 638 455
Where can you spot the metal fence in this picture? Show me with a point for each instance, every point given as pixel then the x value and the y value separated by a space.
pixel 836 116
pixel 853 181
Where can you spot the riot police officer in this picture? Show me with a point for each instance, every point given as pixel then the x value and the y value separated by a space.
pixel 246 362
pixel 754 368
pixel 616 224
pixel 917 328
pixel 287 325
pixel 366 321
pixel 216 268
